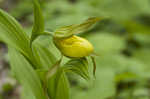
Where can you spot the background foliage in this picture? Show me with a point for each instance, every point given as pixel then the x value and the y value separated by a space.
pixel 121 41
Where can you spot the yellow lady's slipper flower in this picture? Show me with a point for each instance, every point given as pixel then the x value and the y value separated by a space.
pixel 74 46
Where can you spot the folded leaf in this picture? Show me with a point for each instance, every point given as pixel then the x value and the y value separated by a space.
pixel 67 31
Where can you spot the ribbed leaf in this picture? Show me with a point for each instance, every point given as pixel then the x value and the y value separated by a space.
pixel 26 74
pixel 13 34
pixel 47 59
pixel 38 27
pixel 43 55
pixel 78 66
pixel 62 87
pixel 58 86
pixel 67 31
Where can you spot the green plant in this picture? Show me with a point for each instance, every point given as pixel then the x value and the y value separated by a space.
pixel 34 65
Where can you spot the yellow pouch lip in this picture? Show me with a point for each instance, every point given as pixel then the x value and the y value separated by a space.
pixel 74 46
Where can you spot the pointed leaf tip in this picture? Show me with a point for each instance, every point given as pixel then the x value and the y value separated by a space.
pixel 38 26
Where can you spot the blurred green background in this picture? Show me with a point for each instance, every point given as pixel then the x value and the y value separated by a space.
pixel 122 42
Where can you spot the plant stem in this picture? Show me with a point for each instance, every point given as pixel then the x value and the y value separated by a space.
pixel 50 73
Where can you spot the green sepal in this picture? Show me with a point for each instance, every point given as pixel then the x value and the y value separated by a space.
pixel 78 66
pixel 67 31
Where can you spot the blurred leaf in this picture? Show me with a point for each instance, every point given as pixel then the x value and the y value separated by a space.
pixel 142 39
pixel 143 55
pixel 126 94
pixel 117 9
pixel 21 10
pixel 105 83
pixel 38 27
pixel 124 67
pixel 142 93
pixel 102 87
pixel 135 27
pixel 78 66
pixel 26 74
pixel 67 31
pixel 104 42
pixel 124 76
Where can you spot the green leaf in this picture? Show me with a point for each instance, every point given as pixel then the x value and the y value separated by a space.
pixel 67 31
pixel 27 94
pixel 103 87
pixel 42 50
pixel 43 55
pixel 104 42
pixel 42 74
pixel 38 27
pixel 58 85
pixel 62 88
pixel 104 84
pixel 78 66
pixel 13 34
pixel 136 27
pixel 142 55
pixel 26 74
